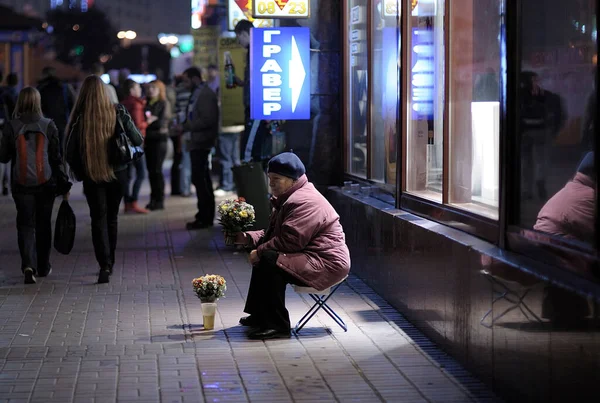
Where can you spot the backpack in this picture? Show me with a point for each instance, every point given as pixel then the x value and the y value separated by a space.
pixel 31 165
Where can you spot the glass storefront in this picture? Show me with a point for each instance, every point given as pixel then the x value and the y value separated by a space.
pixel 471 104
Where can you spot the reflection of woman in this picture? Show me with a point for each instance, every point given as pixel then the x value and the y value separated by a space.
pixel 570 212
pixel 157 133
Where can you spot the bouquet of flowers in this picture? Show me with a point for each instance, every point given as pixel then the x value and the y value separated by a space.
pixel 236 216
pixel 209 288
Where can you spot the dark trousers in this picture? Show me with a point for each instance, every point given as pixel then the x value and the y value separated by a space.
pixel 260 147
pixel 137 168
pixel 176 167
pixel 156 152
pixel 229 144
pixel 204 187
pixel 104 199
pixel 34 229
pixel 266 295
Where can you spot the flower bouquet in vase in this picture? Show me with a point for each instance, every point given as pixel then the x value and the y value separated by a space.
pixel 235 216
pixel 209 289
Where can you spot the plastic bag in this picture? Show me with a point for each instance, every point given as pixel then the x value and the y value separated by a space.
pixel 64 230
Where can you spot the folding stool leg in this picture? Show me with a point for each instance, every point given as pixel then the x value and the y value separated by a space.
pixel 321 303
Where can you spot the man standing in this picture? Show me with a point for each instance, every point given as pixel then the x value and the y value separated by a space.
pixel 242 32
pixel 203 124
pixel 57 100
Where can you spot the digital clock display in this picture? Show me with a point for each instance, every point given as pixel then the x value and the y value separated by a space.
pixel 280 9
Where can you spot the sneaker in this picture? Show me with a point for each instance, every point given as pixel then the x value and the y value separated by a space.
pixel 220 193
pixel 29 277
pixel 46 274
pixel 137 209
pixel 104 276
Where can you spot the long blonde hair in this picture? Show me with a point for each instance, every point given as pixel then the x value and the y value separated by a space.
pixel 96 117
pixel 29 101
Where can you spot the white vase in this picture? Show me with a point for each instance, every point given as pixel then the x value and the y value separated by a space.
pixel 209 310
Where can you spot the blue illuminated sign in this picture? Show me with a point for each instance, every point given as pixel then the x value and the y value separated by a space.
pixel 280 73
pixel 423 73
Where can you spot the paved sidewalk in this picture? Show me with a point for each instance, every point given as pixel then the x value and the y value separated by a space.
pixel 140 338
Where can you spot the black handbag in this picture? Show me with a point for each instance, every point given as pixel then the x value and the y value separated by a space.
pixel 121 151
pixel 64 230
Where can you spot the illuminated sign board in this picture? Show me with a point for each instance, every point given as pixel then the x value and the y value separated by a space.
pixel 238 10
pixel 390 8
pixel 280 73
pixel 423 73
pixel 281 9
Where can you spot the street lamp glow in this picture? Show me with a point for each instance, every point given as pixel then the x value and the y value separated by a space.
pixel 130 35
pixel 173 40
pixel 163 40
pixel 121 35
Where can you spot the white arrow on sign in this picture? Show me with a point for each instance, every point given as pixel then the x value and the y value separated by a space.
pixel 297 74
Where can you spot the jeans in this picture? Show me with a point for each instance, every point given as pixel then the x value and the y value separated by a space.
pixel 103 200
pixel 229 156
pixel 5 176
pixel 261 148
pixel 185 182
pixel 266 295
pixel 203 183
pixel 176 166
pixel 139 167
pixel 34 229
pixel 156 152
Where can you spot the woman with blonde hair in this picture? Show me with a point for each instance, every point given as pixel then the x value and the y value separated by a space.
pixel 157 134
pixel 94 121
pixel 31 143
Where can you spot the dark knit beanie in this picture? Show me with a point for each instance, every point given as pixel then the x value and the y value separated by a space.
pixel 287 164
pixel 586 166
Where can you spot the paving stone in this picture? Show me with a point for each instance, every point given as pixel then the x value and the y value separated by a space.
pixel 140 337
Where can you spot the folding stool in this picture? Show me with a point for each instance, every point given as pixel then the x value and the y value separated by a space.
pixel 320 298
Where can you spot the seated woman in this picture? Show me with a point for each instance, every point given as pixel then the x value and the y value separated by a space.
pixel 304 245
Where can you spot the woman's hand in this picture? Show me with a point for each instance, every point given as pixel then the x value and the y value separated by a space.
pixel 253 258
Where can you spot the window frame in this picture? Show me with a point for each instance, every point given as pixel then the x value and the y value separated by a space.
pixel 388 189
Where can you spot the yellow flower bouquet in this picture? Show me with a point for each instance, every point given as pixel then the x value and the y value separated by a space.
pixel 209 288
pixel 235 216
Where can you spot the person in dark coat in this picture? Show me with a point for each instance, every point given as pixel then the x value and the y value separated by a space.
pixel 304 244
pixel 57 100
pixel 203 125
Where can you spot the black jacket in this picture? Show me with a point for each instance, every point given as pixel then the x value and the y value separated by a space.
pixel 57 100
pixel 203 122
pixel 158 130
pixel 73 152
pixel 59 180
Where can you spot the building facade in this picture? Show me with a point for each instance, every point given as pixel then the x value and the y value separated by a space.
pixel 469 203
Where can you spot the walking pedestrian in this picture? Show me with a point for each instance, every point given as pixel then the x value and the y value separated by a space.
pixel 91 127
pixel 30 142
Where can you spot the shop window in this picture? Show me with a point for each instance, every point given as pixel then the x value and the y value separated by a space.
pixel 425 99
pixel 385 65
pixel 357 75
pixel 557 114
pixel 474 105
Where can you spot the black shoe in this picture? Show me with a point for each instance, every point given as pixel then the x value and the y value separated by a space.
pixel 104 276
pixel 250 321
pixel 265 334
pixel 45 274
pixel 197 225
pixel 152 206
pixel 29 277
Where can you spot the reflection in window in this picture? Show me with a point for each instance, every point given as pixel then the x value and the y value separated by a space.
pixel 426 99
pixel 384 114
pixel 474 105
pixel 358 88
pixel 557 123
